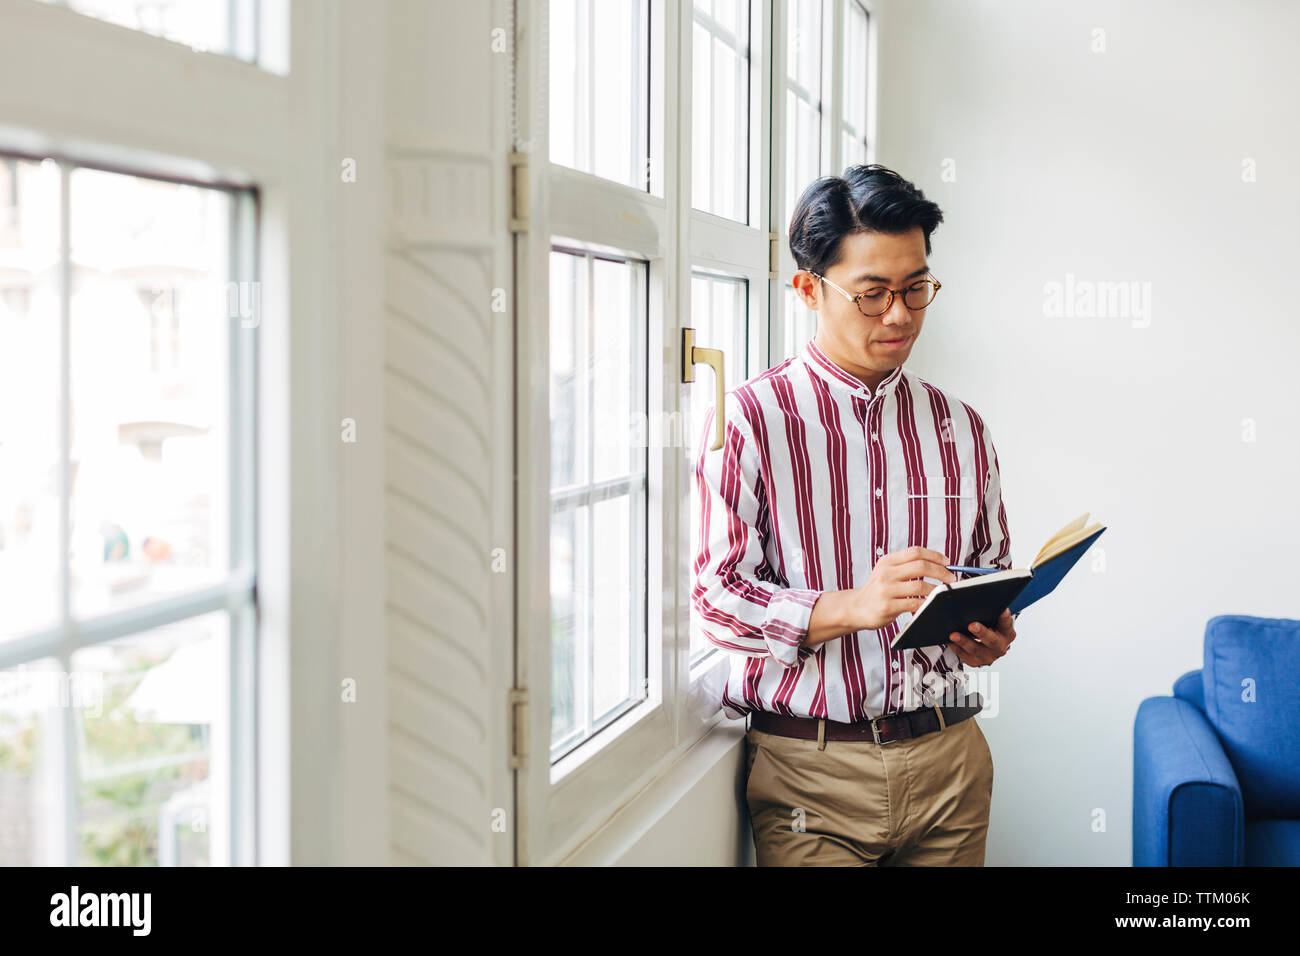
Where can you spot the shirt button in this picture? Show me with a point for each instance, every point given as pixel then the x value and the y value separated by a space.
pixel 895 665
pixel 875 437
pixel 880 550
pixel 877 492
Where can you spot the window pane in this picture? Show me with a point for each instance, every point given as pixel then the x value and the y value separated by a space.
pixel 150 388
pixel 29 396
pixel 720 110
pixel 599 99
pixel 853 150
pixel 800 324
pixel 803 99
pixel 32 700
pixel 568 355
pixel 719 315
pixel 152 786
pixel 617 388
pixel 854 124
pixel 726 12
pixel 599 423
pixel 701 121
pixel 613 603
pixel 230 27
pixel 804 49
pixel 569 613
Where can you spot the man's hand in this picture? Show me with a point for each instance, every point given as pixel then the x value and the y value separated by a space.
pixel 896 585
pixel 989 644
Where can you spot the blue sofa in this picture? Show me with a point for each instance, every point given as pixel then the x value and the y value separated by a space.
pixel 1216 774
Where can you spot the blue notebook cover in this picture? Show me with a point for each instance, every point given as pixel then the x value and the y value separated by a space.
pixel 1050 573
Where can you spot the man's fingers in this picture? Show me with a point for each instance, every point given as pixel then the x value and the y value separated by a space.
pixel 924 568
pixel 971 652
pixel 911 588
pixel 963 647
pixel 917 552
pixel 990 638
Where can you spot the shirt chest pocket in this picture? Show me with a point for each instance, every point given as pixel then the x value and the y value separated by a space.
pixel 942 510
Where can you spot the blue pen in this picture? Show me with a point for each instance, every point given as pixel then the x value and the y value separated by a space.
pixel 958 567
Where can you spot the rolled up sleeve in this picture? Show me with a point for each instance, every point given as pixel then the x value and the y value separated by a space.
pixel 735 599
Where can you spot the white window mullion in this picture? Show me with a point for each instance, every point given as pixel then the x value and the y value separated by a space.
pixel 68 785
pixel 778 162
pixel 764 86
pixel 65 394
pixel 826 73
pixel 742 79
pixel 836 111
pixel 109 626
pixel 588 87
pixel 639 544
pixel 587 658
pixel 240 696
pixel 69 780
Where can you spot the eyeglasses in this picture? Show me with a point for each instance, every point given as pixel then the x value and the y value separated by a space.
pixel 878 300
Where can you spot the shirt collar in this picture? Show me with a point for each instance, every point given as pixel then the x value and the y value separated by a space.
pixel 821 365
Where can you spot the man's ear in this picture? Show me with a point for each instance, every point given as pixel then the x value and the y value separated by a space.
pixel 807 290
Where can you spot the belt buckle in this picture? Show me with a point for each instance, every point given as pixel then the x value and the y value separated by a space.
pixel 875 731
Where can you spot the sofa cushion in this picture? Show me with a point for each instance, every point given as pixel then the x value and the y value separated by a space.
pixel 1249 678
pixel 1273 843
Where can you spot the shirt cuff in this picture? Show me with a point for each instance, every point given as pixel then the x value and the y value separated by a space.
pixel 786 624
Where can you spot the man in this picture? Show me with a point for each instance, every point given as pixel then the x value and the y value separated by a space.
pixel 843 484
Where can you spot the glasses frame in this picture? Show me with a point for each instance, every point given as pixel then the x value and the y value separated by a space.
pixel 889 303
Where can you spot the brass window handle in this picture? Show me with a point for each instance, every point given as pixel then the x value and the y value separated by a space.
pixel 692 355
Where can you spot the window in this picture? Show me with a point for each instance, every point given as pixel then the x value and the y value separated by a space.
pixel 719 313
pixel 804 78
pixel 853 127
pixel 599 56
pixel 613 265
pixel 800 322
pixel 807 148
pixel 598 493
pixel 720 180
pixel 252 30
pixel 126 561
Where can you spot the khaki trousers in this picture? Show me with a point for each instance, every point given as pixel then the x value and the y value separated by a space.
pixel 923 801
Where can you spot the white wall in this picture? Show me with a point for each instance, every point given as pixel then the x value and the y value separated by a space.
pixel 1121 165
pixel 693 814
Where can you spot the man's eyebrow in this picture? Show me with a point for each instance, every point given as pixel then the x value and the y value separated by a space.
pixel 865 277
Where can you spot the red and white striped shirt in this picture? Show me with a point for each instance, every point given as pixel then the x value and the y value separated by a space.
pixel 816 479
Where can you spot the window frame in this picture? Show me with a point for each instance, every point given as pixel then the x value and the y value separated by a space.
pixel 558 810
pixel 172 117
pixel 235 595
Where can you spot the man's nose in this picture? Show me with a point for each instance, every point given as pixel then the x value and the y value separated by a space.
pixel 897 314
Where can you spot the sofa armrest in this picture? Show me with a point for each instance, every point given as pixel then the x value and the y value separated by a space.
pixel 1187 807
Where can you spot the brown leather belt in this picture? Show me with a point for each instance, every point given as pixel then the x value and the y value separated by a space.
pixel 885 729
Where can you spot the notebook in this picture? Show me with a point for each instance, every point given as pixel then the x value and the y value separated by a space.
pixel 954 607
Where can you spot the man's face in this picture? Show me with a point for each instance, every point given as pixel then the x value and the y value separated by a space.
pixel 868 261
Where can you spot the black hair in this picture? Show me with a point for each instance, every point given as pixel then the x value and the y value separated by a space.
pixel 865 199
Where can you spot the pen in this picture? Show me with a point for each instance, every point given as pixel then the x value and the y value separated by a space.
pixel 958 567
